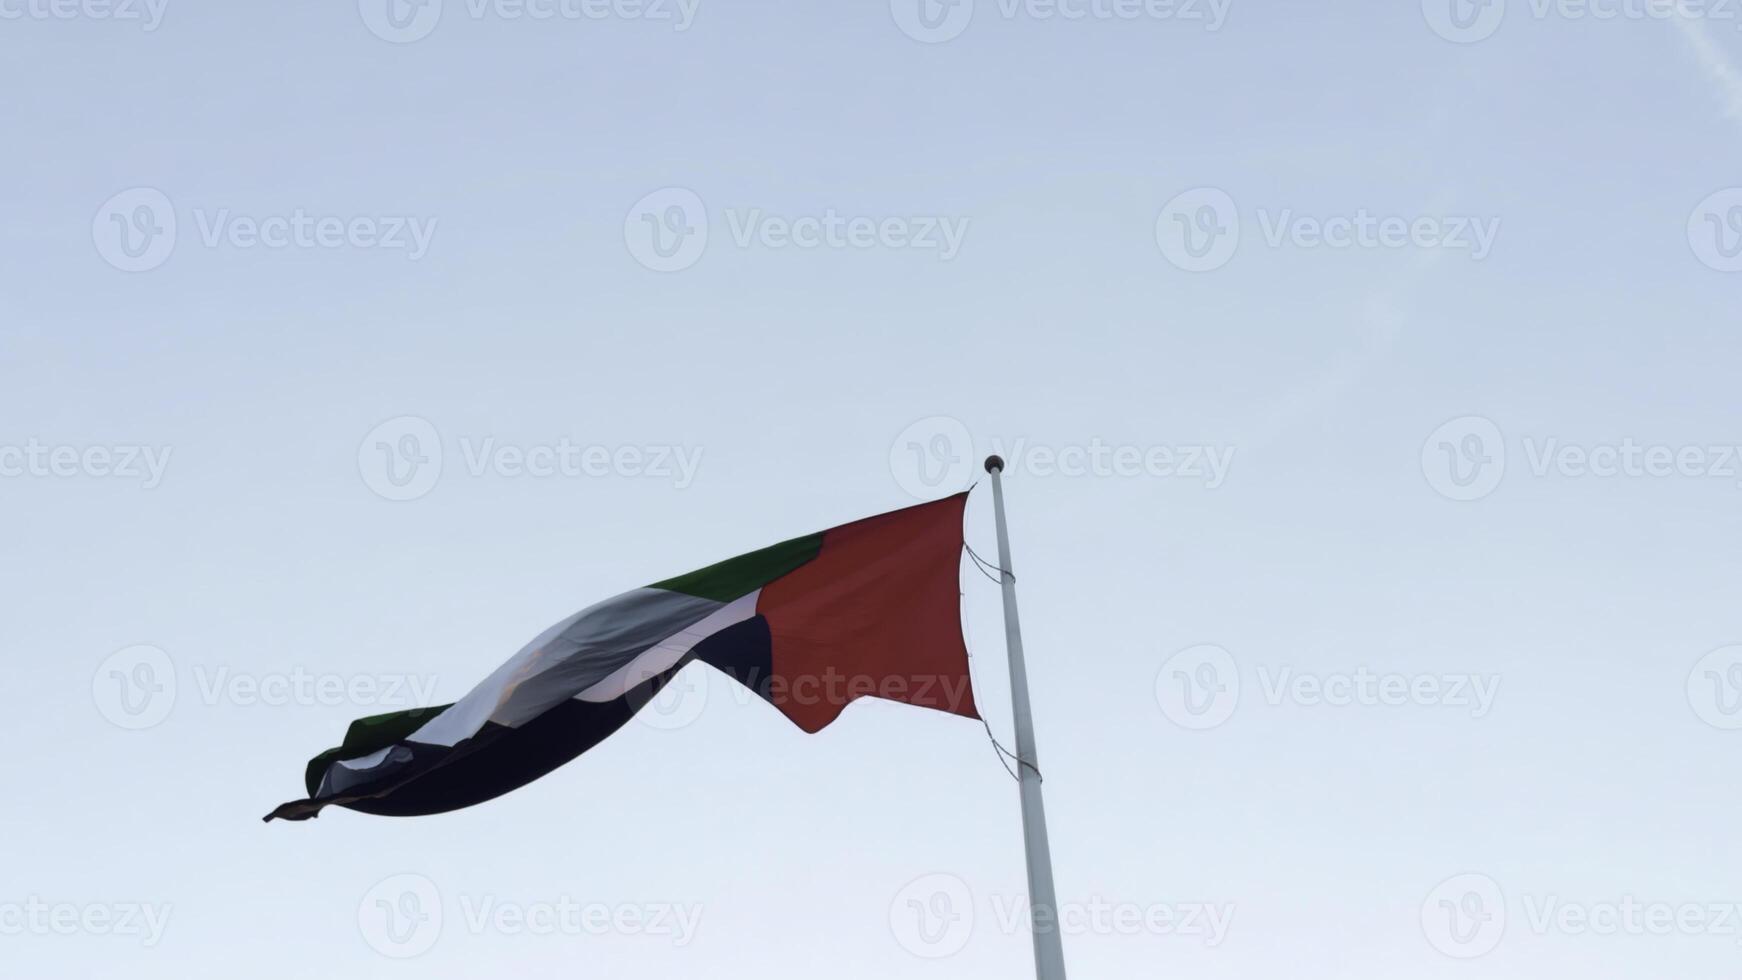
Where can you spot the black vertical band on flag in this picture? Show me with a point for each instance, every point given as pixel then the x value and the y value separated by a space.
pixel 427 779
pixel 743 652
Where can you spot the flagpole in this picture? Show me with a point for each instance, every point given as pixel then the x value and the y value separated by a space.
pixel 1049 954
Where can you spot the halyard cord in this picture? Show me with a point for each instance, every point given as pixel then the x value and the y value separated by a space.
pixel 986 567
pixel 1000 749
pixel 1002 752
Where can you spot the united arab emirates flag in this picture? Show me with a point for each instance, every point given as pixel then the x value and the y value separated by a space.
pixel 868 609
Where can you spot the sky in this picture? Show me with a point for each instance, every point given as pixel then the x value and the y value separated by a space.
pixel 1366 377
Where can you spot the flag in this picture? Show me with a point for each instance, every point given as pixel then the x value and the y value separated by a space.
pixel 867 609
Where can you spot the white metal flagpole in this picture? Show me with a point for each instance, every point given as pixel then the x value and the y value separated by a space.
pixel 1049 954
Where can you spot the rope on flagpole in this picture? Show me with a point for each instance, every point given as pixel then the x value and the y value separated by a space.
pixel 1002 752
pixel 999 753
pixel 998 747
pixel 986 567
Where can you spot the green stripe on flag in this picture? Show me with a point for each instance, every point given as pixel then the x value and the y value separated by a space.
pixel 744 574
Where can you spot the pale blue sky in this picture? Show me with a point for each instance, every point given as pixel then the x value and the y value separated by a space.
pixel 1603 155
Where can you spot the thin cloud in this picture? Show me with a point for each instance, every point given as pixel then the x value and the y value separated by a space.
pixel 1713 62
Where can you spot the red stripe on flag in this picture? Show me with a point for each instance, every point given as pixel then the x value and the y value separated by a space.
pixel 876 614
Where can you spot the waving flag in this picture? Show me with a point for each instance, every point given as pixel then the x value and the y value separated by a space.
pixel 868 609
